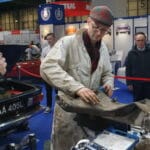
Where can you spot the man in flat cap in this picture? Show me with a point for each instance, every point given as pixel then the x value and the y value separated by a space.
pixel 78 65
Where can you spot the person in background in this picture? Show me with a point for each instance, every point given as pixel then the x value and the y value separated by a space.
pixel 50 37
pixel 138 65
pixel 3 64
pixel 44 42
pixel 32 52
pixel 78 65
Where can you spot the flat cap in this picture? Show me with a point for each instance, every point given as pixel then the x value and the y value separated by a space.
pixel 102 14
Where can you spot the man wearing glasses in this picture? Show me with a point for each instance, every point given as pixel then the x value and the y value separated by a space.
pixel 78 65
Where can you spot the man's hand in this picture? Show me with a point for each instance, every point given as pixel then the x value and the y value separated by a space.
pixel 3 65
pixel 88 96
pixel 108 90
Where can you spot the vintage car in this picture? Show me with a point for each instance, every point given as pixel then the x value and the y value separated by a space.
pixel 17 65
pixel 19 101
pixel 27 68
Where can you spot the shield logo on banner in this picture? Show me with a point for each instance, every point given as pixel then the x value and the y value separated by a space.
pixel 46 13
pixel 59 14
pixel 51 14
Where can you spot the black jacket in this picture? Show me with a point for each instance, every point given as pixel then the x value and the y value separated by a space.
pixel 138 64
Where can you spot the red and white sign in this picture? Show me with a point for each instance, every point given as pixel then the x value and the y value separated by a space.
pixel 15 32
pixel 75 8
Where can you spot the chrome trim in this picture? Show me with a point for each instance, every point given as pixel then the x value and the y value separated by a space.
pixel 19 119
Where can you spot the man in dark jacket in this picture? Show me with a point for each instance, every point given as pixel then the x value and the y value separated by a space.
pixel 138 65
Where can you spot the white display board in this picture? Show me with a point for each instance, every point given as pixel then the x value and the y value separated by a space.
pixel 123 36
pixel 59 31
pixel 22 38
pixel 44 30
pixel 1 38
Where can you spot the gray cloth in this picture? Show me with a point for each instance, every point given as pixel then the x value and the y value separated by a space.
pixel 132 113
pixel 144 144
pixel 68 131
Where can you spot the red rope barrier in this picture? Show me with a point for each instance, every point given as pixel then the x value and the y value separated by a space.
pixel 29 73
pixel 133 78
pixel 116 77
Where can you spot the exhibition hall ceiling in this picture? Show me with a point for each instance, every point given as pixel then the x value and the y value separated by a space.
pixel 16 4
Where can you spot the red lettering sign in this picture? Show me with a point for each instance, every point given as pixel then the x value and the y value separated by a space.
pixel 74 8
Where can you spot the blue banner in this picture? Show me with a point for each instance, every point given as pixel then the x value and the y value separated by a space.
pixel 51 14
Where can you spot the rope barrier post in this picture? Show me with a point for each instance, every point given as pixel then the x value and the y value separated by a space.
pixel 19 72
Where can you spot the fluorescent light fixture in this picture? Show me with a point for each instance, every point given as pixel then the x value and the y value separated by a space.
pixel 3 1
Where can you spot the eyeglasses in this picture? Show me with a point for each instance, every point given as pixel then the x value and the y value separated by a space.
pixel 99 28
